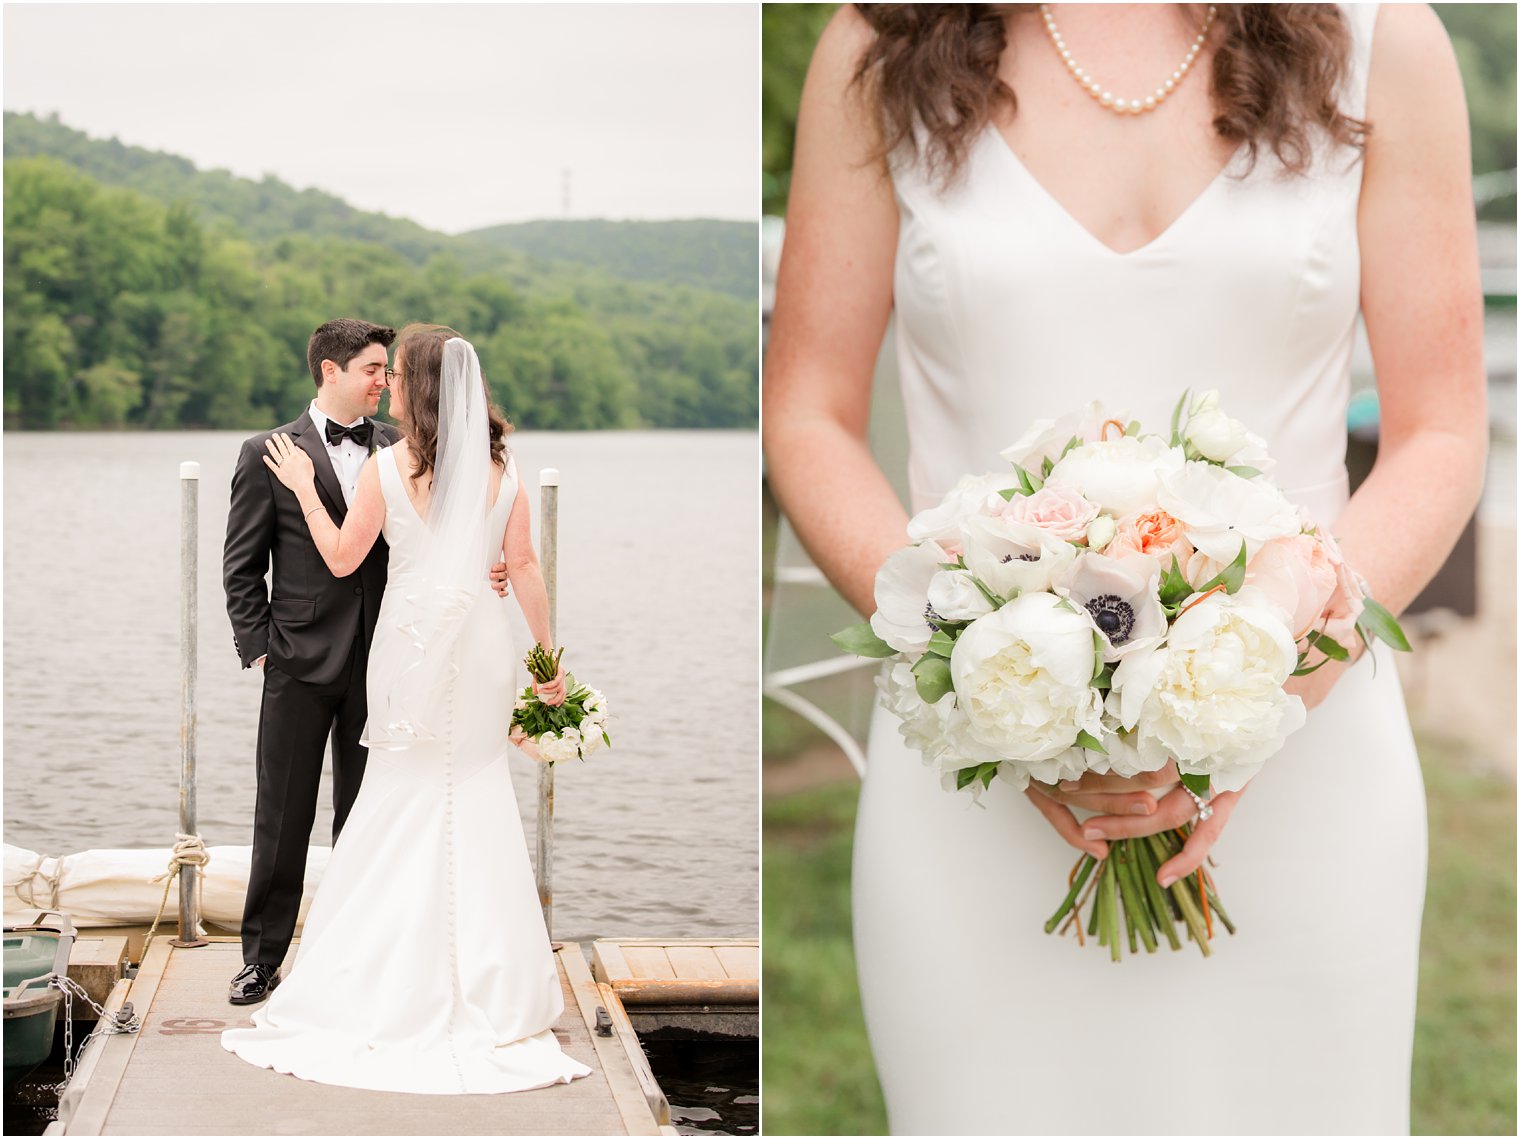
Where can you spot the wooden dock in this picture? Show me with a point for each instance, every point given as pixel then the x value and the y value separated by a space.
pixel 174 1078
pixel 699 984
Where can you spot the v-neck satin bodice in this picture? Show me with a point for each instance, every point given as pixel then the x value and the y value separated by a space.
pixel 1009 310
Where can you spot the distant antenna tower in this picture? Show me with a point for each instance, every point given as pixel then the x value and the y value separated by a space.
pixel 565 191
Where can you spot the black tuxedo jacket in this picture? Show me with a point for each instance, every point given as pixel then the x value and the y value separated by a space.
pixel 307 620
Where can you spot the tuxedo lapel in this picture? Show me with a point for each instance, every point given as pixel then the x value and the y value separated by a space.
pixel 310 440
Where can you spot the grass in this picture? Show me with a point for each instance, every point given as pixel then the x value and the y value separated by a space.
pixel 818 1076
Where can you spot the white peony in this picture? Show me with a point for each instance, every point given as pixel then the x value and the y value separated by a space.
pixel 1120 475
pixel 1009 557
pixel 1216 436
pixel 902 588
pixel 591 742
pixel 1211 696
pixel 940 523
pixel 939 731
pixel 1122 596
pixel 553 747
pixel 953 595
pixel 1124 757
pixel 1023 676
pixel 1047 438
pixel 1218 510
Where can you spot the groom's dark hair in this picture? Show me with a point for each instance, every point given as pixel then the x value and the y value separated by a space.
pixel 341 340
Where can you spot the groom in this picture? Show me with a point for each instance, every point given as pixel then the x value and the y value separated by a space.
pixel 310 632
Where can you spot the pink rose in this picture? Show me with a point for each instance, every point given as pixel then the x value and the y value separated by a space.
pixel 1152 534
pixel 1345 604
pixel 1298 577
pixel 1056 509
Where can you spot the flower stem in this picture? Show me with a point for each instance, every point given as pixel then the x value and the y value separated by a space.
pixel 1083 870
pixel 1136 910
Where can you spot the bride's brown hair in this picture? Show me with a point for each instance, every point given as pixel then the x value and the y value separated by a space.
pixel 1277 72
pixel 420 349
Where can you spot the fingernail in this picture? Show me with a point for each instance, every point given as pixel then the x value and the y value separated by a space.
pixel 1091 832
pixel 1071 785
pixel 1167 881
pixel 1140 809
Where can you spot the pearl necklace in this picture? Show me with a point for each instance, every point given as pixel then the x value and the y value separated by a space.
pixel 1106 98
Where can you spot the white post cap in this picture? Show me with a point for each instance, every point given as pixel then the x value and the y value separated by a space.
pixel 549 476
pixel 189 470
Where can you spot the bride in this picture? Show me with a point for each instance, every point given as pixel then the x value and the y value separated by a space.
pixel 424 965
pixel 1073 202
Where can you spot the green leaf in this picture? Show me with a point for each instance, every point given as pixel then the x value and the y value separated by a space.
pixel 1046 466
pixel 862 641
pixel 1177 416
pixel 1244 472
pixel 1008 495
pixel 1105 678
pixel 984 773
pixel 1174 587
pixel 1099 644
pixel 992 599
pixel 1380 623
pixel 941 644
pixel 1197 784
pixel 932 678
pixel 1133 428
pixel 1028 483
pixel 1232 577
pixel 1329 646
pixel 1071 445
pixel 1091 743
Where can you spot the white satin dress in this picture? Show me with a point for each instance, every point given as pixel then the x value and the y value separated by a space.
pixel 1302 1023
pixel 424 965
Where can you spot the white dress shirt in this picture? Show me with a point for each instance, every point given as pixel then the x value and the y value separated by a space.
pixel 347 457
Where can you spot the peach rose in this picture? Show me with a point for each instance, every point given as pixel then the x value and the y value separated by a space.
pixel 1297 575
pixel 1152 534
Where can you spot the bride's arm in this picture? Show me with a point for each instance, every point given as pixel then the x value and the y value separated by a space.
pixel 343 549
pixel 523 570
pixel 1422 300
pixel 833 298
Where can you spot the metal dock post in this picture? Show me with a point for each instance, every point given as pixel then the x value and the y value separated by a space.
pixel 189 536
pixel 548 482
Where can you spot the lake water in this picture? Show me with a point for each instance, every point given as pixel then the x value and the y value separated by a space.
pixel 658 605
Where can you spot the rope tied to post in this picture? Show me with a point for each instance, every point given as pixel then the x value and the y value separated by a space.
pixel 189 850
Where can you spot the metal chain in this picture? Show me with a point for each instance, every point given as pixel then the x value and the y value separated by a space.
pixel 124 1022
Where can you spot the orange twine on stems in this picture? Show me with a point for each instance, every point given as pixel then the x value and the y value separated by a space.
pixel 1107 423
pixel 1199 598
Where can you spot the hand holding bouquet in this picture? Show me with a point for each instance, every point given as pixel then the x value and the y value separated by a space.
pixel 570 728
pixel 1116 602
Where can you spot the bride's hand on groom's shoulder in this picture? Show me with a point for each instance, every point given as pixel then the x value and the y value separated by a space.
pixel 291 465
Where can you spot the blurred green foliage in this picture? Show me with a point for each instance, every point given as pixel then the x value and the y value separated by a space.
pixel 1482 34
pixel 142 293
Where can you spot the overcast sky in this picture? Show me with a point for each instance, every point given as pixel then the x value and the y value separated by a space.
pixel 454 115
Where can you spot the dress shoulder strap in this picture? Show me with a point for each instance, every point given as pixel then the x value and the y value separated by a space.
pixel 1360 21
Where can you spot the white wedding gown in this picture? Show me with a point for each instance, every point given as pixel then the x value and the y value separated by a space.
pixel 424 965
pixel 1302 1023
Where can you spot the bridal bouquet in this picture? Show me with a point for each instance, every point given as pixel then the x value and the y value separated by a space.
pixel 1115 600
pixel 551 732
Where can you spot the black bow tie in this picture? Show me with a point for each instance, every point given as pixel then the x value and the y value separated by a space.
pixel 359 433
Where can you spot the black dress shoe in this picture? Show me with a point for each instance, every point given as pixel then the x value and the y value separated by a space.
pixel 253 984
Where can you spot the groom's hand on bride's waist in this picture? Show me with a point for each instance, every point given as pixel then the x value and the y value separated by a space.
pixel 499 578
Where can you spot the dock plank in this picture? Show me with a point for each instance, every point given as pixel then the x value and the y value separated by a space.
pixel 174 1077
pixel 649 962
pixel 695 963
pixel 741 962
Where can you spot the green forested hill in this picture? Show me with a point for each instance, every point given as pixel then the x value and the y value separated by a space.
pixel 719 255
pixel 142 292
